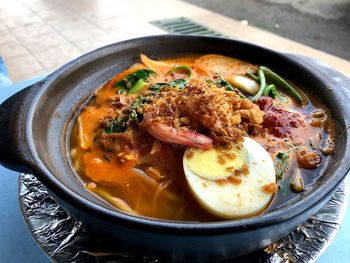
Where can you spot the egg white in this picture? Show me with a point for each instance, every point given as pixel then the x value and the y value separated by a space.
pixel 230 200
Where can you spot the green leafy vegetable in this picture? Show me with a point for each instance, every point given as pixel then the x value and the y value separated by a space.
pixel 117 126
pixel 137 103
pixel 180 83
pixel 177 83
pixel 134 113
pixel 283 156
pixel 131 80
pixel 281 164
pixel 225 84
pixel 156 87
pixel 136 108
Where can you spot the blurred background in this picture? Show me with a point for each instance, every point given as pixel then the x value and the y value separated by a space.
pixel 322 24
pixel 38 36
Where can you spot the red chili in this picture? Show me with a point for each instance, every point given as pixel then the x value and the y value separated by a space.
pixel 277 120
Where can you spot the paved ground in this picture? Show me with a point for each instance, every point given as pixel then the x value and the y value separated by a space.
pixel 322 24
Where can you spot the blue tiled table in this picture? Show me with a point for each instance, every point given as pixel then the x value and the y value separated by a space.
pixel 17 245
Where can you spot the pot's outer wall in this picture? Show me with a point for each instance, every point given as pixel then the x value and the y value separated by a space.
pixel 49 113
pixel 192 247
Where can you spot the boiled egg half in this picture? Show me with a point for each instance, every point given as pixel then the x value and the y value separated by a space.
pixel 231 183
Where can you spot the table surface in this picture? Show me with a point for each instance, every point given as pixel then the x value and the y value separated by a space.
pixel 17 244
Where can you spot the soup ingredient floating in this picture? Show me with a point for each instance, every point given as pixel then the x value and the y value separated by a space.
pixel 233 183
pixel 200 138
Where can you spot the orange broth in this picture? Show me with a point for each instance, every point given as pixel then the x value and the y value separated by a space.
pixel 154 185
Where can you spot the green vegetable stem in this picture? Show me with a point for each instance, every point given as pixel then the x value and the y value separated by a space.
pixel 278 81
pixel 178 69
pixel 137 87
pixel 256 78
pixel 135 81
pixel 262 84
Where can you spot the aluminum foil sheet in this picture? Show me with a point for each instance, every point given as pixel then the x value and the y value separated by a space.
pixel 64 239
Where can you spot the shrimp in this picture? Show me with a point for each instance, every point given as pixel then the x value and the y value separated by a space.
pixel 180 136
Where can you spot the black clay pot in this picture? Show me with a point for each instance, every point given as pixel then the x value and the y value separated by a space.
pixel 33 138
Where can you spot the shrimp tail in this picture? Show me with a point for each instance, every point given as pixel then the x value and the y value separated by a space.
pixel 179 136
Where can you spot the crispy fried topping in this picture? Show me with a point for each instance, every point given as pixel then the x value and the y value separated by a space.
pixel 270 188
pixel 234 179
pixel 221 114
